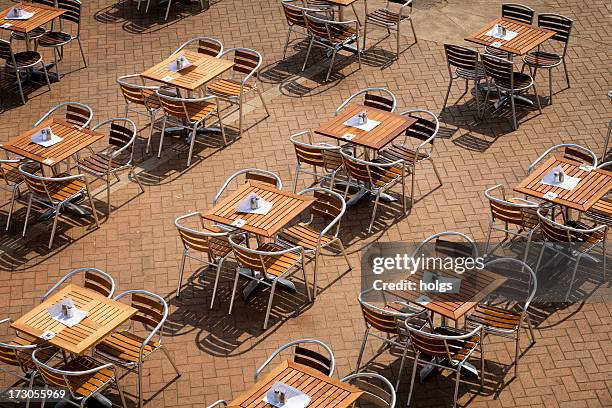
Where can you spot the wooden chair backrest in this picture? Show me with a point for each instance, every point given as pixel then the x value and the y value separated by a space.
pixel 249 260
pixel 312 359
pixel 513 214
pixel 422 129
pixel 429 346
pixel 577 155
pixel 553 232
pixel 195 240
pixel 326 205
pixel 259 177
pixel 245 62
pixel 119 136
pixel 77 115
pixel 378 102
pixel 518 12
pixel 38 187
pixel 294 15
pixel 461 57
pixel 9 356
pixel 98 283
pixel 385 322
pixel 72 10
pixel 133 93
pixel 178 109
pixel 373 395
pixel 209 47
pixel 562 26
pixel 150 310
pixel 497 68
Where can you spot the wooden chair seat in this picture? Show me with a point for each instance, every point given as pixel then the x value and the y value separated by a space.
pixel 25 59
pixel 85 385
pixel 98 163
pixel 37 32
pixel 220 246
pixel 62 190
pixel 124 346
pixel 471 74
pixel 227 88
pixel 459 349
pixel 385 17
pixel 541 59
pixel 54 39
pixel 199 110
pixel 601 211
pixel 397 152
pixel 521 81
pixel 277 265
pixel 496 318
pixel 342 33
pixel 592 237
pixel 384 175
pixel 496 52
pixel 305 236
pixel 150 99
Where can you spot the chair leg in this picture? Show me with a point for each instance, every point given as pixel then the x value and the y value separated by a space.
pixel 217 275
pixel 221 127
pixel 401 368
pixel 171 360
pixel 262 100
pixel 413 32
pixel 139 386
pixel 511 96
pixel 82 52
pixel 362 349
pixel 108 198
pixel 55 218
pixel 316 267
pixel 46 75
pixel 477 85
pixel 331 64
pixel 306 281
pixel 488 241
pixel 135 177
pixel 414 370
pixel 567 79
pixel 374 212
pixel 234 291
pixel 433 164
pixel 307 54
pixel 343 250
pixel 537 98
pixel 181 271
pixel 447 93
pixel 194 132
pixel 295 178
pixel 93 208
pixel 457 377
pixel 168 10
pixel 530 327
pixel 287 43
pixel 569 289
pixel 120 390
pixel 517 351
pixel 57 65
pixel 365 32
pixel 147 7
pixel 397 33
pixel 161 137
pixel 151 129
pixel 20 86
pixel 240 103
pixel 25 223
pixel 10 212
pixel 272 289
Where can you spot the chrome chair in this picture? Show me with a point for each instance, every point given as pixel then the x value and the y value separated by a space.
pixel 141 100
pixel 570 151
pixel 390 18
pixel 500 72
pixel 601 211
pixel 377 390
pixel 512 216
pixel 417 146
pixel 84 377
pixel 205 45
pixel 94 279
pixel 328 206
pixel 505 311
pixel 375 177
pixel 17 355
pixel 379 98
pixel 57 40
pixel 323 158
pixel 190 114
pixel 463 63
pixel 209 240
pixel 515 12
pixel 386 323
pixel 12 181
pixel 75 113
pixel 54 193
pixel 252 174
pixel 562 26
pixel 332 35
pixel 116 157
pixel 21 61
pixel 296 21
pixel 129 350
pixel 446 348
pixel 267 264
pixel 573 240
pixel 607 141
pixel 241 82
pixel 324 362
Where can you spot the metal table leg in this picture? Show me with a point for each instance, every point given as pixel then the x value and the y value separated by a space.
pixel 255 284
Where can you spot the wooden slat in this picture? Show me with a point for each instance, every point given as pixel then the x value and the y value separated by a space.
pixel 204 69
pixel 593 185
pixel 74 141
pixel 104 316
pixel 285 207
pixel 42 15
pixel 391 126
pixel 326 392
pixel 528 38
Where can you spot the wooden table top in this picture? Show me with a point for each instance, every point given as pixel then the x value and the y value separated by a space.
pixel 326 392
pixel 593 184
pixel 74 141
pixel 343 3
pixel 104 316
pixel 391 126
pixel 204 69
pixel 42 15
pixel 286 206
pixel 475 286
pixel 529 36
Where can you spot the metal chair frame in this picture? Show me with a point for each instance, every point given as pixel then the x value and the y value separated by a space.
pixel 460 58
pixel 371 392
pixel 369 182
pixel 210 40
pixel 332 224
pixel 114 380
pixel 7 54
pixel 396 337
pixel 572 151
pixel 155 332
pixel 186 122
pixel 44 197
pixel 556 233
pixel 250 174
pixel 367 92
pixel 218 404
pixel 95 271
pixel 114 150
pixel 592 213
pixel 320 155
pixel 263 277
pixel 325 38
pixel 244 91
pixel 10 185
pixel 296 20
pixel 70 117
pixel 73 15
pixel 293 343
pixel 390 26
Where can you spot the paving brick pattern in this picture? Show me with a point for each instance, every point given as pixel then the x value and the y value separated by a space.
pixel 568 366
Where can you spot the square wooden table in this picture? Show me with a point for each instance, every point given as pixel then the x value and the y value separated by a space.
pixel 475 286
pixel 285 207
pixel 204 69
pixel 391 126
pixel 528 37
pixel 104 316
pixel 592 187
pixel 75 140
pixel 326 392
pixel 42 15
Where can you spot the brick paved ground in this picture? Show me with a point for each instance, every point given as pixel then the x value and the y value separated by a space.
pixel 568 366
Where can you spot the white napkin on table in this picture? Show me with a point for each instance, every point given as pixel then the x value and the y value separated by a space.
pixel 245 205
pixel 568 183
pixel 294 397
pixel 56 313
